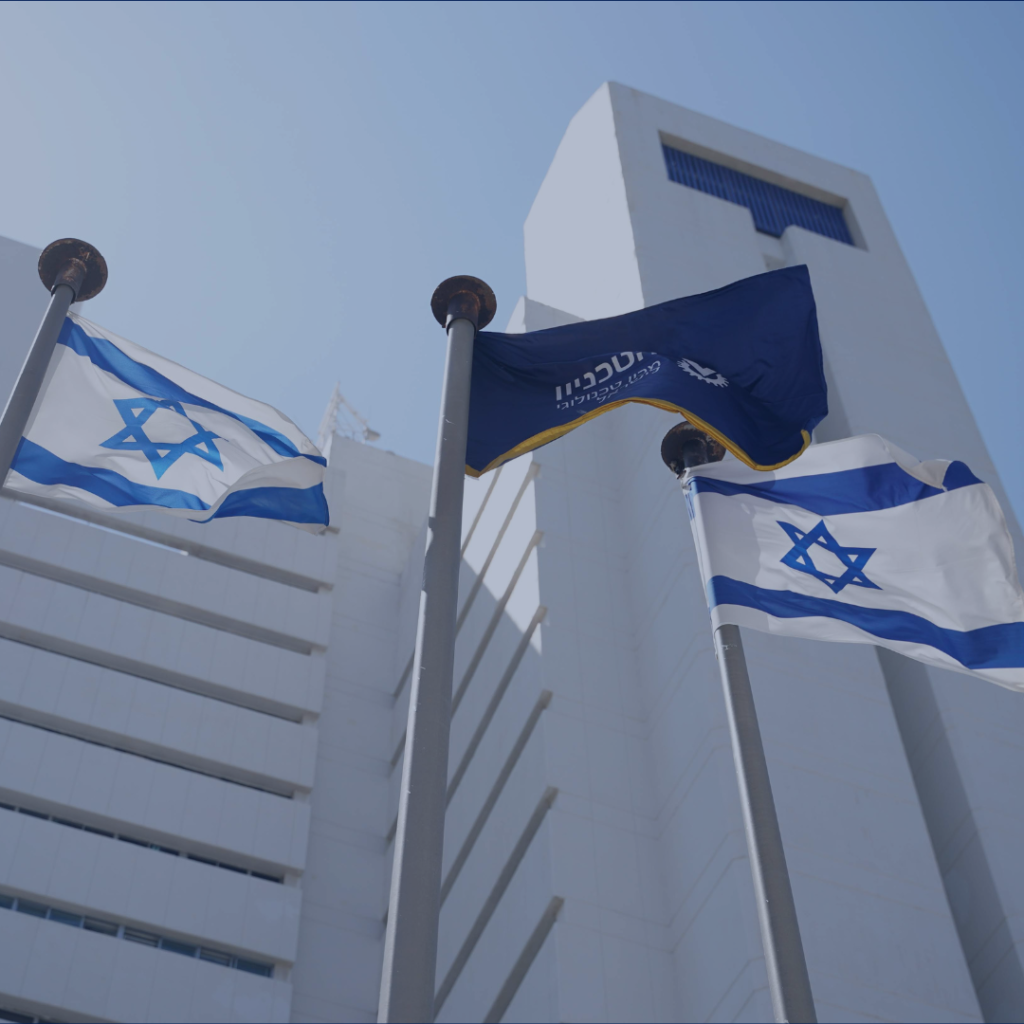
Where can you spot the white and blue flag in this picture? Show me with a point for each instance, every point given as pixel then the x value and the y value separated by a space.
pixel 856 541
pixel 123 429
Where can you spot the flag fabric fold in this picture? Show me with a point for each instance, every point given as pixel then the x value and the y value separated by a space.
pixel 858 542
pixel 123 429
pixel 743 363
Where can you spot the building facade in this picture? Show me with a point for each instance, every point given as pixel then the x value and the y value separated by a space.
pixel 202 727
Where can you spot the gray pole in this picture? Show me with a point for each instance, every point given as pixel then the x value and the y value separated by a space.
pixel 461 304
pixel 70 269
pixel 683 448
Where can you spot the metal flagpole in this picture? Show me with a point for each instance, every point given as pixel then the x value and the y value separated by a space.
pixel 72 270
pixel 683 448
pixel 461 305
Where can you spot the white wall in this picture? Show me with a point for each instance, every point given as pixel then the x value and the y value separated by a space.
pixel 627 650
pixel 378 503
pixel 235 692
pixel 161 684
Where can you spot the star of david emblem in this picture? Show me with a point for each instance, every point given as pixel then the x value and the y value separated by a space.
pixel 161 454
pixel 854 559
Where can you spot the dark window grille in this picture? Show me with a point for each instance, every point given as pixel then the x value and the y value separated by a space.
pixel 774 208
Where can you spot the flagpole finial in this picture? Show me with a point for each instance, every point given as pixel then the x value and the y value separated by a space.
pixel 75 263
pixel 685 446
pixel 463 298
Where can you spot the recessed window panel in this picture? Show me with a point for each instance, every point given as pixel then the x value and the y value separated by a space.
pixel 214 956
pixel 95 924
pixel 63 917
pixel 145 844
pixel 255 967
pixel 31 907
pixel 16 1018
pixel 267 878
pixel 774 208
pixel 173 946
pixel 98 831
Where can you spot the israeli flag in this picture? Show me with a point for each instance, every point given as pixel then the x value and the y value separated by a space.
pixel 122 429
pixel 856 541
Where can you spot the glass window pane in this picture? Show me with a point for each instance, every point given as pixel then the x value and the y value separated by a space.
pixel 268 878
pixel 179 947
pixel 255 967
pixel 98 831
pixel 75 920
pixel 773 207
pixel 31 907
pixel 143 938
pixel 213 956
pixel 15 1018
pixel 95 924
pixel 6 901
pixel 32 814
pixel 202 860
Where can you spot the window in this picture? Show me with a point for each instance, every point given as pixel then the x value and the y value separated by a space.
pixel 117 931
pixel 774 208
pixel 95 924
pixel 213 956
pixel 173 946
pixel 278 879
pixel 75 920
pixel 253 967
pixel 143 938
pixel 14 1017
pixel 29 907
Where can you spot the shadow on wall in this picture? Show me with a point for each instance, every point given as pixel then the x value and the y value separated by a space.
pixel 981 922
pixel 497 803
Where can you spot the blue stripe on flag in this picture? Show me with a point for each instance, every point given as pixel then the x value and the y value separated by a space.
pixel 107 356
pixel 1000 646
pixel 288 504
pixel 36 463
pixel 866 489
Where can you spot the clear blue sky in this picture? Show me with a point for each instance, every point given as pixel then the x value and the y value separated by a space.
pixel 279 187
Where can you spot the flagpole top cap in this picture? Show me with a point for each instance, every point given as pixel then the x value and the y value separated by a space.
pixel 463 298
pixel 75 263
pixel 685 446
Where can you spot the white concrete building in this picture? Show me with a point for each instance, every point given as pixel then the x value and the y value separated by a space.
pixel 222 787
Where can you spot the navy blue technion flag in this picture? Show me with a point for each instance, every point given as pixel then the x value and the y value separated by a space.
pixel 742 363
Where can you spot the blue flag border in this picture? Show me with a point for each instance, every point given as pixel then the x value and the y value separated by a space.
pixel 305 505
pixel 1000 645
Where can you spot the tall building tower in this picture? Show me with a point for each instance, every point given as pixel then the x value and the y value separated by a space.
pixel 202 727
pixel 598 865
